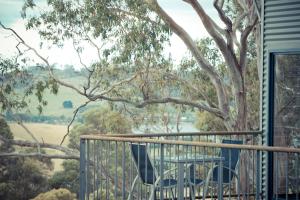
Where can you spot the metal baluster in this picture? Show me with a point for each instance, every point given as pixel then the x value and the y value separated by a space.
pixel 253 164
pixel 87 170
pixel 205 170
pixel 239 180
pixel 123 171
pixel 107 169
pixel 247 177
pixel 146 164
pixel 101 147
pixel 94 167
pixel 116 171
pixel 97 168
pixel 178 152
pixel 276 175
pixel 297 176
pixel 154 157
pixel 194 173
pixel 220 180
pixel 161 170
pixel 258 174
pixel 286 176
pixel 229 173
pixel 82 169
pixel 138 164
pixel 186 152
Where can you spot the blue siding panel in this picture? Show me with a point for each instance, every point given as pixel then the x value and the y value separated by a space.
pixel 280 32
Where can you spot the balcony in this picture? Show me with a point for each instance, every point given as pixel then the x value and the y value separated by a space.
pixel 203 165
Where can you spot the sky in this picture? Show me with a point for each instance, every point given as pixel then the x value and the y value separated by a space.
pixel 181 12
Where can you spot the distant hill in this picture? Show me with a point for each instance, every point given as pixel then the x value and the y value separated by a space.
pixel 54 112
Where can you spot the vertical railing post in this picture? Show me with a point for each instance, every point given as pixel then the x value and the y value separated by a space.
pixel 82 169
pixel 116 171
pixel 297 177
pixel 258 176
pixel 161 170
pixel 220 180
pixel 123 172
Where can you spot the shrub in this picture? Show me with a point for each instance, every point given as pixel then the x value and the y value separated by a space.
pixel 56 194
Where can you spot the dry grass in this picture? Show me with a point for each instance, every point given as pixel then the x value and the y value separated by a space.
pixel 49 133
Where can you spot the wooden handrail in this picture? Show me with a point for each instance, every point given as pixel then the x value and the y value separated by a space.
pixel 192 143
pixel 202 133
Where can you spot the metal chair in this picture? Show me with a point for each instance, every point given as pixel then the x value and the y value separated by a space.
pixel 230 163
pixel 193 181
pixel 147 173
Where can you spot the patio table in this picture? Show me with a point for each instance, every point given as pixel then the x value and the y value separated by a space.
pixel 182 160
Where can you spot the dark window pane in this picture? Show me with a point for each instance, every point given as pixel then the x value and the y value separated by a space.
pixel 286 120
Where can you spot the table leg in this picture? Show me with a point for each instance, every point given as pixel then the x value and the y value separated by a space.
pixel 180 184
pixel 220 180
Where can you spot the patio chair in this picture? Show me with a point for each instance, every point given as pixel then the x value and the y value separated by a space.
pixel 193 181
pixel 230 163
pixel 147 173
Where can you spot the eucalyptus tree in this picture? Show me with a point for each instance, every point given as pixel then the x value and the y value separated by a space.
pixel 129 38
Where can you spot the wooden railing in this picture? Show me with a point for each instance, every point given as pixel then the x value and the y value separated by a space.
pixel 108 170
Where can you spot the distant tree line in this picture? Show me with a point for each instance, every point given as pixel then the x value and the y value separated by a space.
pixel 38 118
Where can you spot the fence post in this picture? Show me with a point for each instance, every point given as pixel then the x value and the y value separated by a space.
pixel 82 176
pixel 161 170
pixel 258 176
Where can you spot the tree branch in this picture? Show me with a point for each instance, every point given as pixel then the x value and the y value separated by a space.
pixel 226 50
pixel 202 62
pixel 44 60
pixel 222 14
pixel 127 13
pixel 24 143
pixel 73 118
pixel 31 134
pixel 244 44
pixel 144 103
pixel 227 22
pixel 40 155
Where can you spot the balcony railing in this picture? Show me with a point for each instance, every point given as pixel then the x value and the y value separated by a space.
pixel 186 165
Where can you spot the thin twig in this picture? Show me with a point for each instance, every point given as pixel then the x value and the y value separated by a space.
pixel 73 118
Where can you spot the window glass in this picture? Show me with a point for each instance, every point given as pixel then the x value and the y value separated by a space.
pixel 286 120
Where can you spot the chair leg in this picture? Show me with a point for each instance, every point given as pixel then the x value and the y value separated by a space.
pixel 132 187
pixel 152 194
pixel 192 192
pixel 172 193
pixel 205 189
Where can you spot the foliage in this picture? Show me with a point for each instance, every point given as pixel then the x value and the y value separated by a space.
pixel 68 178
pixel 129 38
pixel 38 118
pixel 207 122
pixel 17 84
pixel 56 194
pixel 20 178
pixel 100 121
pixel 253 97
pixel 6 133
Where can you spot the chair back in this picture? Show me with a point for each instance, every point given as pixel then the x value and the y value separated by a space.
pixel 231 155
pixel 143 164
pixel 231 158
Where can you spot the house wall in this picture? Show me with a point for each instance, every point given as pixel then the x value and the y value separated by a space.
pixel 280 20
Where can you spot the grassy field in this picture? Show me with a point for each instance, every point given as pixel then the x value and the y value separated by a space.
pixel 44 133
pixel 55 102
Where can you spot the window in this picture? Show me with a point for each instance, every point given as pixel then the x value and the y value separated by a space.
pixel 286 121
